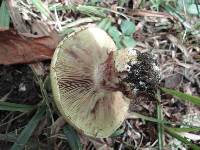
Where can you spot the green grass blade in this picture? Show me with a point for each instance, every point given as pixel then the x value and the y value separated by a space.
pixel 91 11
pixel 182 139
pixel 135 115
pixel 182 96
pixel 72 138
pixel 194 129
pixel 41 8
pixel 44 93
pixel 9 137
pixel 160 125
pixel 105 24
pixel 173 12
pixel 4 16
pixel 117 133
pixel 28 130
pixel 7 106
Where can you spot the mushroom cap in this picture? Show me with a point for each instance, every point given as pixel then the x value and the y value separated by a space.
pixel 94 111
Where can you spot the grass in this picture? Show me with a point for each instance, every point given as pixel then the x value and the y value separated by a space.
pixel 72 137
pixel 160 126
pixel 182 139
pixel 7 106
pixel 182 96
pixel 174 131
pixel 28 130
pixel 42 8
pixel 4 16
pixel 119 26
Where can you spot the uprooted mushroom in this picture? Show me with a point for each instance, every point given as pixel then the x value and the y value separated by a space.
pixel 93 82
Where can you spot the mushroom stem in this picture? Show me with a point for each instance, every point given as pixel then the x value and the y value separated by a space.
pixel 110 75
pixel 108 79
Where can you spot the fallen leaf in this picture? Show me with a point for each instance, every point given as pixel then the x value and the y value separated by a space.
pixel 149 13
pixel 16 17
pixel 15 48
pixel 58 124
pixel 173 80
pixel 2 29
pixel 68 2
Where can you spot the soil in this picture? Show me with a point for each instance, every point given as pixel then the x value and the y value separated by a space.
pixel 17 85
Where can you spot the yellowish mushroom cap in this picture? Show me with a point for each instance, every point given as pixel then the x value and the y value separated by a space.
pixel 75 79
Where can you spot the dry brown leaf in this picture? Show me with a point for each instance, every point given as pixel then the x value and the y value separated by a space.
pixel 179 44
pixel 15 49
pixel 72 1
pixel 16 17
pixel 149 13
pixel 58 124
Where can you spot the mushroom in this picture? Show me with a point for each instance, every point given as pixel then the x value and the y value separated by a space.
pixel 88 77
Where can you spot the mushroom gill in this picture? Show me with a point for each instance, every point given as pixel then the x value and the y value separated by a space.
pixel 86 83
